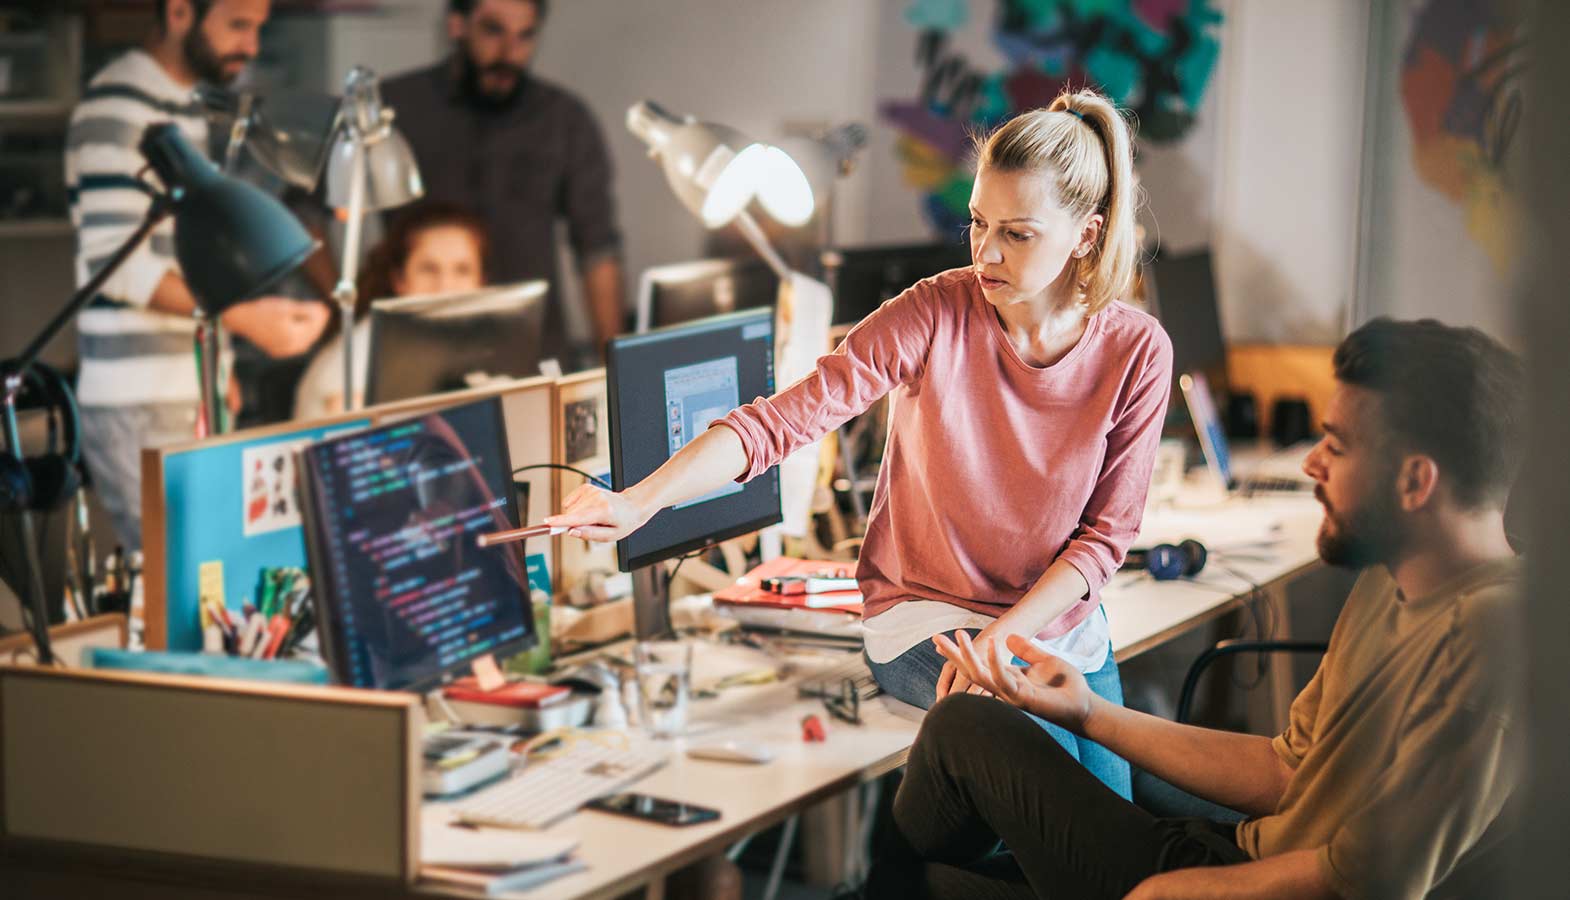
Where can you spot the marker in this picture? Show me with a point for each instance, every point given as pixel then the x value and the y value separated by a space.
pixel 519 534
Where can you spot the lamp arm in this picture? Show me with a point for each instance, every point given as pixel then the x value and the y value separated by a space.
pixel 238 132
pixel 347 293
pixel 156 213
pixel 760 242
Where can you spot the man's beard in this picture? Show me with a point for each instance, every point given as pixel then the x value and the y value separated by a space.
pixel 469 78
pixel 205 62
pixel 1366 536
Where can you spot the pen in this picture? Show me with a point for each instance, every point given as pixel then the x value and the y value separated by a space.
pixel 518 534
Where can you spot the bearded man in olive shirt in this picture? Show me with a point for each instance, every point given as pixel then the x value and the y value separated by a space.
pixel 520 153
pixel 1396 771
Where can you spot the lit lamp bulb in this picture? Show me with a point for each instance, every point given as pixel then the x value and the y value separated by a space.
pixel 716 171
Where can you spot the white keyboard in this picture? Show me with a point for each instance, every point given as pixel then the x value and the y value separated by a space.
pixel 550 789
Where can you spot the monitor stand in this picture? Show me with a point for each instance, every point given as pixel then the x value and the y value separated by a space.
pixel 651 610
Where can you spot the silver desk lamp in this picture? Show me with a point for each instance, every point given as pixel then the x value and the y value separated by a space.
pixel 370 168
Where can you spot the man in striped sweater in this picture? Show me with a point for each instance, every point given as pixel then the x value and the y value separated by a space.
pixel 138 385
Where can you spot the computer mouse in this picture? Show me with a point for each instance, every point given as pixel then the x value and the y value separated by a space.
pixel 733 751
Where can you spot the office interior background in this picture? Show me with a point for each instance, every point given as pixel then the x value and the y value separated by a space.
pixel 1292 156
pixel 1337 160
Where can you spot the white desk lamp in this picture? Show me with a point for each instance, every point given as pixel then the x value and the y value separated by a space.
pixel 370 168
pixel 715 171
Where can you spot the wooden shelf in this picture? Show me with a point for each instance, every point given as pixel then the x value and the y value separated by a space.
pixel 35 228
pixel 36 109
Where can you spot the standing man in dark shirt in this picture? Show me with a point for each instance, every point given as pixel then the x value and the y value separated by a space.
pixel 518 151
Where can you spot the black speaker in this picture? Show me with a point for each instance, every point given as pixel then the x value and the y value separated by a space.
pixel 1290 421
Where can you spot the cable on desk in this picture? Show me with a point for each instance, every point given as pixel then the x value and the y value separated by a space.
pixel 1263 618
pixel 694 554
pixel 599 482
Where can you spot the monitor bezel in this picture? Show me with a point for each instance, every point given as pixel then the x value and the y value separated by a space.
pixel 836 260
pixel 672 274
pixel 620 344
pixel 535 292
pixel 324 591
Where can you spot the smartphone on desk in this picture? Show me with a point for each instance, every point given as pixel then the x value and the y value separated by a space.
pixel 654 809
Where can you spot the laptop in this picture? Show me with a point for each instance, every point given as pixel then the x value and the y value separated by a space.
pixel 1218 452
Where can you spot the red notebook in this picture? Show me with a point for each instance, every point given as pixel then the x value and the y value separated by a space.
pixel 748 589
pixel 528 694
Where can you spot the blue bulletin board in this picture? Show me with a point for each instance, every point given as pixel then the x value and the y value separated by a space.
pixel 235 503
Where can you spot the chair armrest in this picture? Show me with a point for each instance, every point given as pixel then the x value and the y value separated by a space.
pixel 1231 648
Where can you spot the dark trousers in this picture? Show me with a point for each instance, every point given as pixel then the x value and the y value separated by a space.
pixel 982 772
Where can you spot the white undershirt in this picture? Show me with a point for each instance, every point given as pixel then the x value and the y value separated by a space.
pixel 904 625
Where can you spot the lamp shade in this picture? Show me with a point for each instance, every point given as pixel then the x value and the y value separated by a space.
pixel 392 177
pixel 288 133
pixel 783 188
pixel 715 170
pixel 826 157
pixel 371 149
pixel 232 240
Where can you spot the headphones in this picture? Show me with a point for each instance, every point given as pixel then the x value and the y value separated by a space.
pixel 45 483
pixel 1168 562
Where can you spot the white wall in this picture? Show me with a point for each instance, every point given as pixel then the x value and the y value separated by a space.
pixel 756 66
pixel 1286 196
pixel 1273 186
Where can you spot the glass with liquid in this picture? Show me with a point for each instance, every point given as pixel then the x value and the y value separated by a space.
pixel 664 672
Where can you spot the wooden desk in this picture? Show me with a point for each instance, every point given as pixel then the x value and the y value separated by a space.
pixel 624 854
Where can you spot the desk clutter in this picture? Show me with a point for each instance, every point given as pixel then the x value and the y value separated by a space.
pixel 273 627
pixel 496 791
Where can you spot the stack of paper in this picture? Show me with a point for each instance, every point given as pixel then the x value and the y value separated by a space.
pixel 494 860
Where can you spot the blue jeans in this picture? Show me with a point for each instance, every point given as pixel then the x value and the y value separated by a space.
pixel 913 677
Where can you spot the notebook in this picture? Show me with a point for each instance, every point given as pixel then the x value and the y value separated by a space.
pixel 748 589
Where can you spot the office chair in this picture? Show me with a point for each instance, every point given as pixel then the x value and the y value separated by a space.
pixel 1232 648
pixel 1165 800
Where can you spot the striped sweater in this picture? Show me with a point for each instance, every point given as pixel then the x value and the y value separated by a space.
pixel 130 355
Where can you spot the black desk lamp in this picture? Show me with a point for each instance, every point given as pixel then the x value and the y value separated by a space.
pixel 232 242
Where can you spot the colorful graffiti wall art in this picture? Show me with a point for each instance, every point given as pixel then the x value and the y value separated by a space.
pixel 1460 83
pixel 1155 57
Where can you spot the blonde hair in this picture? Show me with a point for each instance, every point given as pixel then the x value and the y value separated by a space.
pixel 1083 142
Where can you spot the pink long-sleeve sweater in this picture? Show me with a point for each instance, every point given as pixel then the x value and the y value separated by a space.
pixel 994 468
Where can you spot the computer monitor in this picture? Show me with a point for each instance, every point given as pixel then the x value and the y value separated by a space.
pixel 1182 289
pixel 435 343
pixel 405 597
pixel 684 292
pixel 665 388
pixel 864 277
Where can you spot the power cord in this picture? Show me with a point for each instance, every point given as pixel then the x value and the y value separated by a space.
pixel 693 555
pixel 1263 618
pixel 577 471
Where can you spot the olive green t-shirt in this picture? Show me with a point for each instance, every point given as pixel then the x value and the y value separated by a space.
pixel 1406 744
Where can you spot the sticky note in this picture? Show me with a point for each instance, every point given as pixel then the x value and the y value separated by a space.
pixel 209 588
pixel 487 674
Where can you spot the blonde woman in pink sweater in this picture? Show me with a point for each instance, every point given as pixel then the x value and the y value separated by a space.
pixel 1027 405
